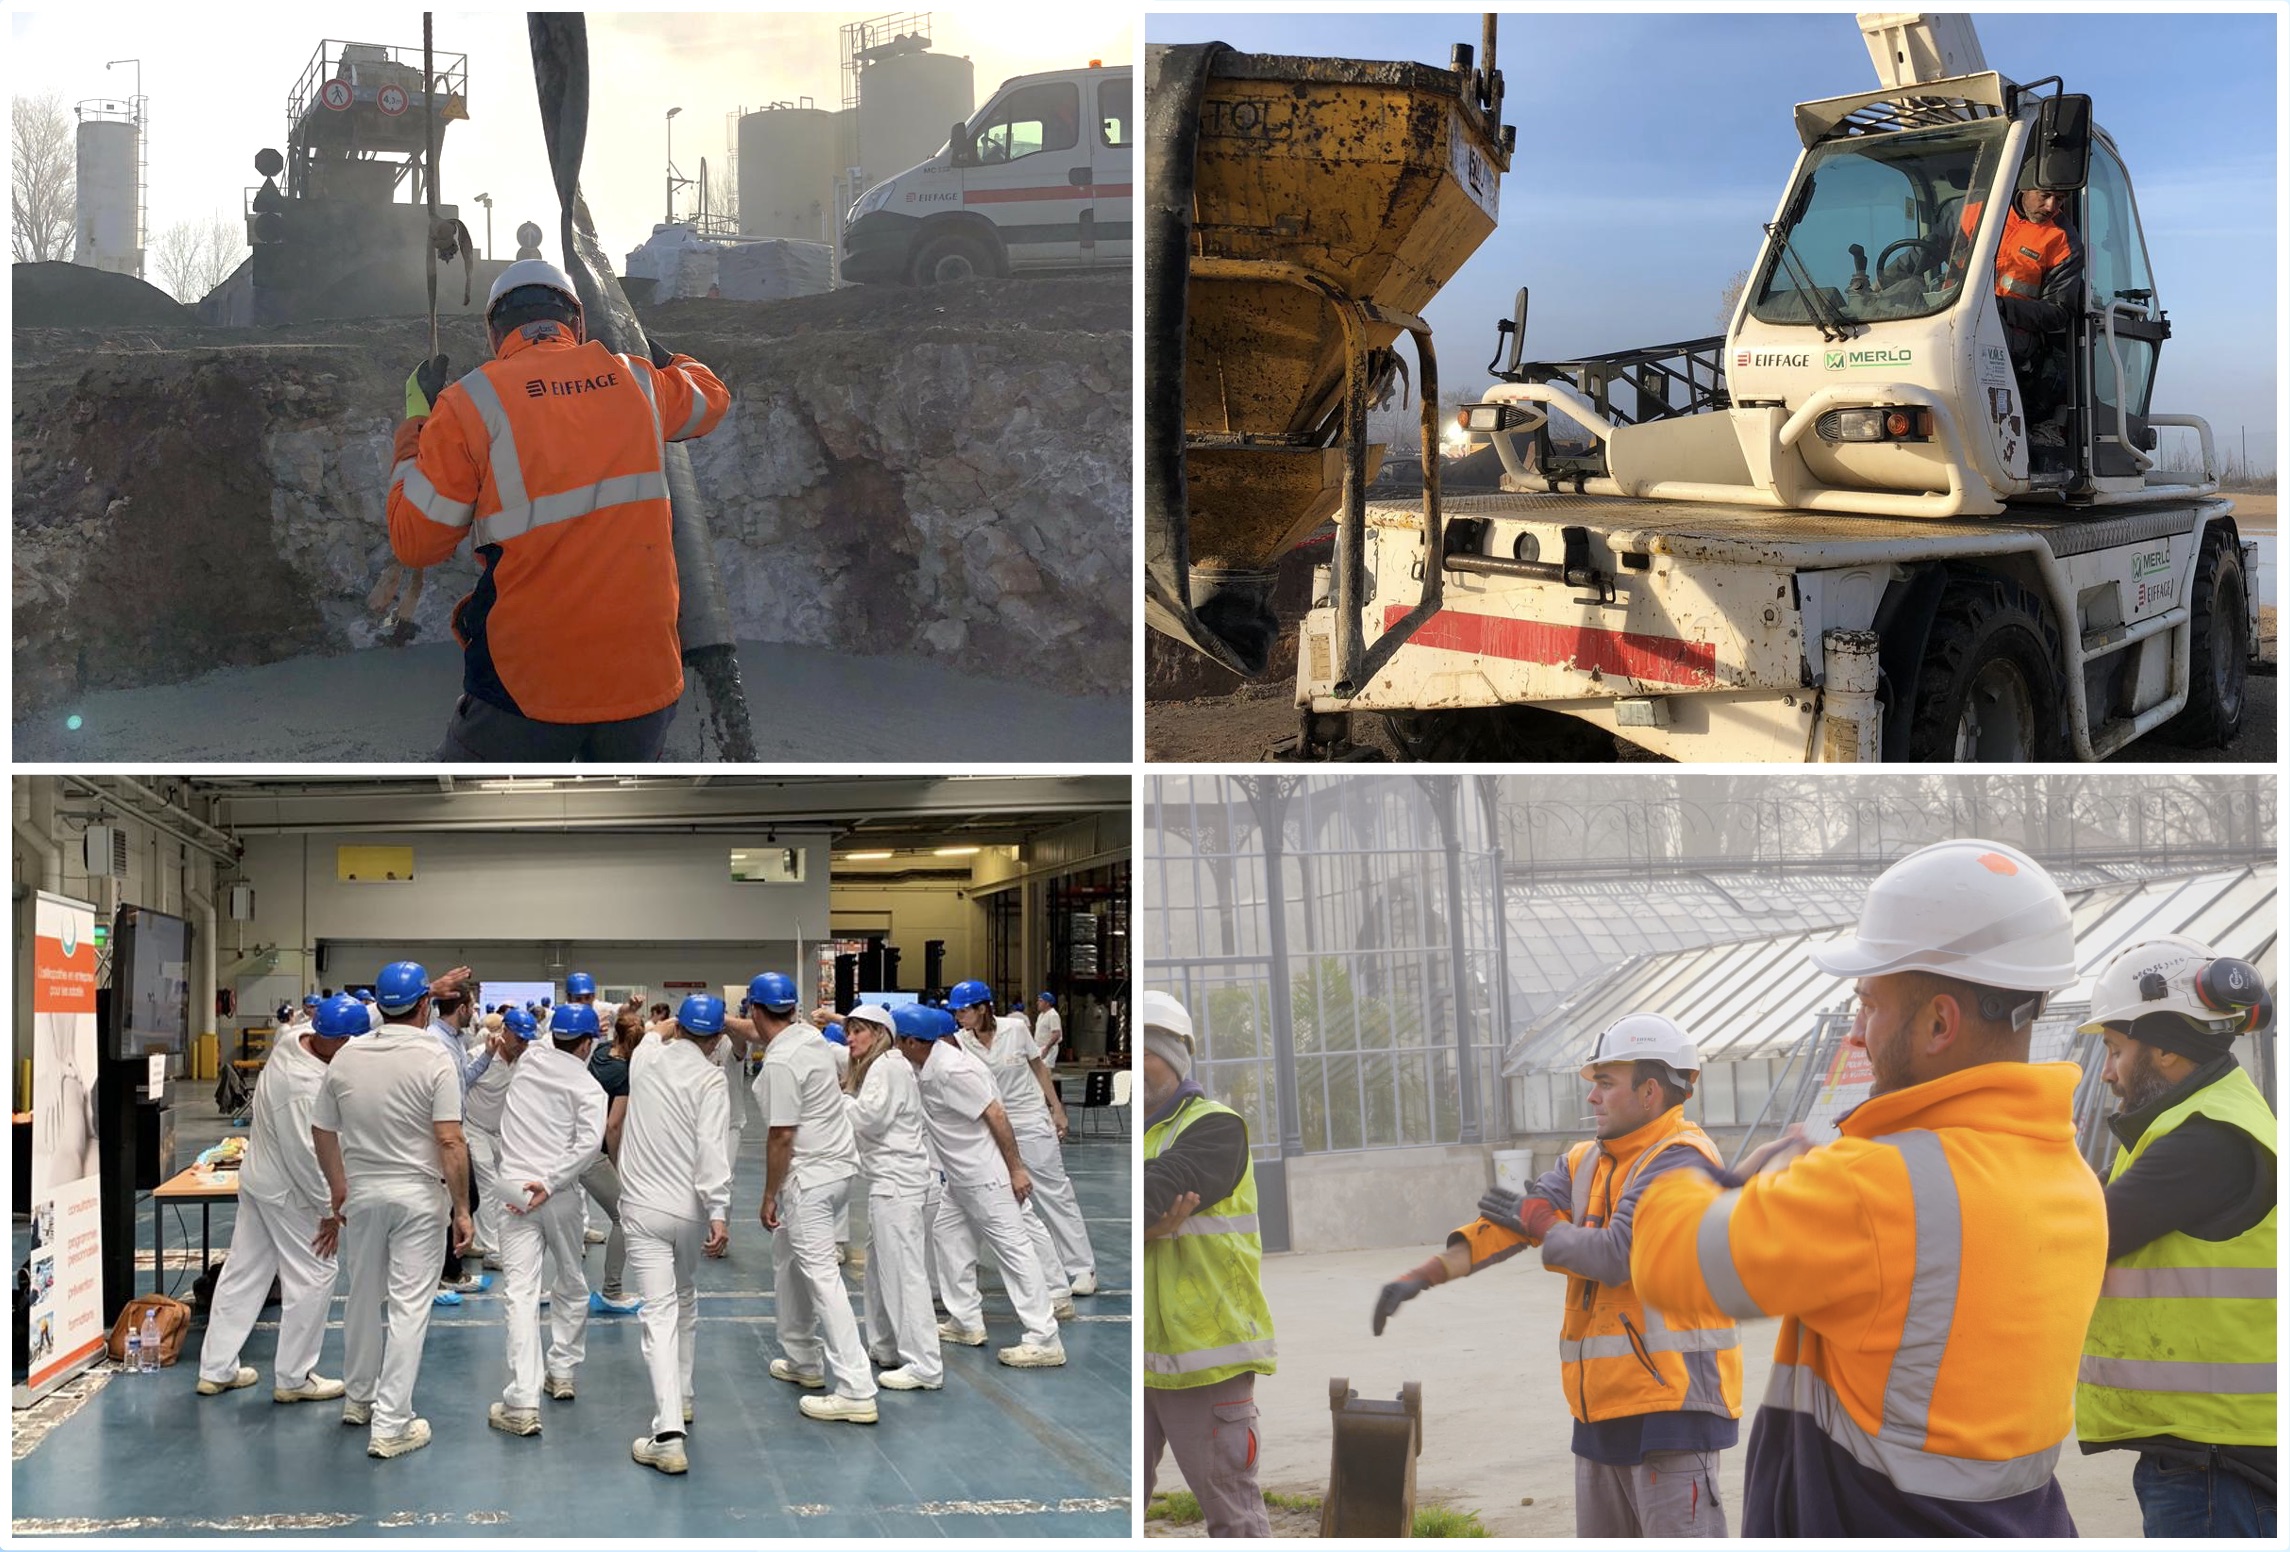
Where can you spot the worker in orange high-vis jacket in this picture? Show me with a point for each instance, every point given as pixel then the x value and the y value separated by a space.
pixel 548 460
pixel 1936 1266
pixel 1654 1398
pixel 2039 289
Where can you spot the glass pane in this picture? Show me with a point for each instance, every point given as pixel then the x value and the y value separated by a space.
pixel 1033 118
pixel 1379 1078
pixel 1113 109
pixel 1344 1129
pixel 1312 1102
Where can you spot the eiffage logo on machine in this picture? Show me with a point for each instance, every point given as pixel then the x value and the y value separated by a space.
pixel 1773 358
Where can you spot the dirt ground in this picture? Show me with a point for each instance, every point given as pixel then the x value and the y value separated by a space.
pixel 1497 1434
pixel 1245 723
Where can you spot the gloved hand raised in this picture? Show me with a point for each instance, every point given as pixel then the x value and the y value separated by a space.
pixel 424 384
pixel 1531 1215
pixel 1391 1296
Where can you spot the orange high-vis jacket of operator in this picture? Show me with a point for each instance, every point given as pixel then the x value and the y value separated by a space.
pixel 549 460
pixel 1934 1268
pixel 2027 252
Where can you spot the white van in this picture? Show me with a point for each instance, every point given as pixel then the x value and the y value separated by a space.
pixel 1039 179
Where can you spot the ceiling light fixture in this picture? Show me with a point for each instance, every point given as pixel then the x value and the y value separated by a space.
pixel 956 851
pixel 868 856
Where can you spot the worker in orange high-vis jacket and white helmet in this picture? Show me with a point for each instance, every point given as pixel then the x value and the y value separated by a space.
pixel 1936 1266
pixel 548 459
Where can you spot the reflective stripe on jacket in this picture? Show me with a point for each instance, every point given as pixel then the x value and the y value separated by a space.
pixel 1205 1315
pixel 548 460
pixel 2183 1340
pixel 2026 254
pixel 1618 1358
pixel 1934 1268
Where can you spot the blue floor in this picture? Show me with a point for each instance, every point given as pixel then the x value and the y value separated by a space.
pixel 998 1452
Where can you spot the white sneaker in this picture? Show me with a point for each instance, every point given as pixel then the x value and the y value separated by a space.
pixel 557 1387
pixel 314 1387
pixel 809 1379
pixel 905 1379
pixel 1031 1355
pixel 1063 1308
pixel 968 1336
pixel 416 1435
pixel 842 1255
pixel 598 1237
pixel 238 1381
pixel 357 1414
pixel 838 1409
pixel 1085 1285
pixel 524 1421
pixel 661 1455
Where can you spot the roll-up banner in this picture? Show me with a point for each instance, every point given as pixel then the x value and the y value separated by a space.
pixel 67 1330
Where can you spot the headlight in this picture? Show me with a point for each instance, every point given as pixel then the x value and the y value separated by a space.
pixel 1491 417
pixel 1876 423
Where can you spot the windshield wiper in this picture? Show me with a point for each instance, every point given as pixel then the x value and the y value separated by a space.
pixel 1833 324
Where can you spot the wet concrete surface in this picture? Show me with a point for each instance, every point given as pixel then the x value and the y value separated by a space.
pixel 808 704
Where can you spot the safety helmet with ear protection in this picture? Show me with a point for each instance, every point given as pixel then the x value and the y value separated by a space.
pixel 2178 975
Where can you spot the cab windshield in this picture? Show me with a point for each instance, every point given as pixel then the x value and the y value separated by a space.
pixel 1877 227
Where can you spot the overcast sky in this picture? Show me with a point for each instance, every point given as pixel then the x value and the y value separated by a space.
pixel 218 79
pixel 1651 147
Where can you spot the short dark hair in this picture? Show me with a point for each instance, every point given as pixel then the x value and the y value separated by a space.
pixel 1676 1088
pixel 661 1010
pixel 1990 1008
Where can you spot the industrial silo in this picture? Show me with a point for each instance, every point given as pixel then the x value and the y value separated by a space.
pixel 787 167
pixel 906 102
pixel 108 235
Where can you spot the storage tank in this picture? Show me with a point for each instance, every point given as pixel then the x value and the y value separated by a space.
pixel 906 101
pixel 107 235
pixel 787 166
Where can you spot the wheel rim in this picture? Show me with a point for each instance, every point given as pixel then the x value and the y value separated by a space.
pixel 952 267
pixel 1999 717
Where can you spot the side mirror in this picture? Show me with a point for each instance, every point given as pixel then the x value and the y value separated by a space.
pixel 1518 328
pixel 959 149
pixel 2063 142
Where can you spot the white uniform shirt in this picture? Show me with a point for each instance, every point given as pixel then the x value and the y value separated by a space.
pixel 728 1058
pixel 481 1104
pixel 956 1091
pixel 281 1161
pixel 1009 1060
pixel 886 1115
pixel 1049 1034
pixel 672 1155
pixel 798 1087
pixel 552 1121
pixel 381 1095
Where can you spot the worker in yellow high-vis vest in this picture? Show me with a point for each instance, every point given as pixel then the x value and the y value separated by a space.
pixel 2178 1364
pixel 1208 1331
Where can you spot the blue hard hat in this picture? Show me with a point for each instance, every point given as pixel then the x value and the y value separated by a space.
pixel 702 1014
pixel 338 1017
pixel 400 985
pixel 835 1033
pixel 771 991
pixel 521 1024
pixel 1049 997
pixel 363 994
pixel 580 984
pixel 574 1018
pixel 912 1021
pixel 945 1022
pixel 966 994
pixel 310 999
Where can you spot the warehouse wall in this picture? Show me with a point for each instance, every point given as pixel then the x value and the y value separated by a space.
pixel 496 887
pixel 911 915
pixel 650 965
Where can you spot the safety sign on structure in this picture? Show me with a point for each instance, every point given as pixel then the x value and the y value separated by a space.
pixel 391 100
pixel 335 94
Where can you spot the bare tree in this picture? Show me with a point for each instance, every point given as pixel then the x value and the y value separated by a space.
pixel 42 202
pixel 193 257
pixel 722 200
pixel 1730 297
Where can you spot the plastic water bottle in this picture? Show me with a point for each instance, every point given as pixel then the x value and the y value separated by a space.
pixel 151 1343
pixel 134 1350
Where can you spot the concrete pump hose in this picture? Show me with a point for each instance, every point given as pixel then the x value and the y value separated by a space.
pixel 703 622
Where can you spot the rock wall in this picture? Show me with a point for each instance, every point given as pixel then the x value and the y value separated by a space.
pixel 943 475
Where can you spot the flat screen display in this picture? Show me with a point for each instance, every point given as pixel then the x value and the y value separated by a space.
pixel 516 993
pixel 150 982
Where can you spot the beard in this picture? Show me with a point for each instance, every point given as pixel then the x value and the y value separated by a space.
pixel 2142 1081
pixel 1888 1059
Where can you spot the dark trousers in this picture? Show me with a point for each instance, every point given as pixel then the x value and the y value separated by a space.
pixel 2181 1501
pixel 481 730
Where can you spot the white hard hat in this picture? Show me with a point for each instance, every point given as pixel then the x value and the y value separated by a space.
pixel 531 272
pixel 873 1014
pixel 1644 1037
pixel 2159 976
pixel 1973 910
pixel 1159 1010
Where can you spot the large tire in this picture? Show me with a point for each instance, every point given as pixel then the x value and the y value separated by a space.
pixel 2218 659
pixel 1500 735
pixel 950 257
pixel 1991 687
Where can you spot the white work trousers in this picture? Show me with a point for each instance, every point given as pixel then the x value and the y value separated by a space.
pixel 390 1245
pixel 956 1250
pixel 663 1261
pixel 807 1287
pixel 485 1170
pixel 1053 1202
pixel 899 1316
pixel 543 1248
pixel 270 1239
pixel 970 1213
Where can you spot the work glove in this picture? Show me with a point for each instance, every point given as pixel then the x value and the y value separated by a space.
pixel 424 384
pixel 1530 1215
pixel 1391 1296
pixel 661 355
